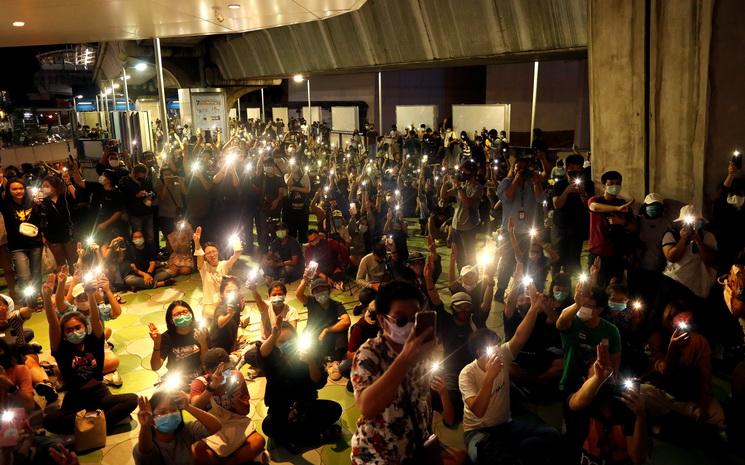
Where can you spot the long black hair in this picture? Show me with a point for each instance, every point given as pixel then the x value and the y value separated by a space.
pixel 169 317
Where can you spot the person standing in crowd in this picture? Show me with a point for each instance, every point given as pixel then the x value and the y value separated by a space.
pixel 57 223
pixel 108 205
pixel 297 204
pixel 649 260
pixel 610 221
pixel 733 294
pixel 139 197
pixel 23 216
pixel 571 217
pixel 729 216
pixel 490 432
pixel 212 270
pixel 467 192
pixel 522 194
pixel 171 205
pixel 391 382
pixel 272 193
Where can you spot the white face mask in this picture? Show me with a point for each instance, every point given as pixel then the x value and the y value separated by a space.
pixel 398 334
pixel 277 300
pixel 101 179
pixel 584 313
pixel 736 200
pixel 469 287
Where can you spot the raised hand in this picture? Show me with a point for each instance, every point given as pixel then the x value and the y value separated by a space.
pixel 494 366
pixel 197 235
pixel 416 347
pixel 154 334
pixel 603 367
pixel 47 288
pixel 217 378
pixel 62 275
pixel 438 385
pixel 145 413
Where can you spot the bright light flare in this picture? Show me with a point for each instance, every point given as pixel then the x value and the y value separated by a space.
pixel 491 350
pixel 304 343
pixel 628 384
pixel 173 382
pixel 485 257
pixel 436 366
pixel 195 167
pixel 8 416
pixel 533 233
pixel 527 280
pixel 637 305
pixel 90 241
pixel 689 220
pixel 29 291
pixel 583 278
pixel 684 326
pixel 235 242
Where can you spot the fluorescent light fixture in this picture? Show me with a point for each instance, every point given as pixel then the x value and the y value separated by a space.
pixel 141 67
pixel 233 6
pixel 18 24
pixel 79 96
pixel 298 78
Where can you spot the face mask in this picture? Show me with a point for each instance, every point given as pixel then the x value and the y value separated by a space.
pixel 76 337
pixel 399 334
pixel 322 297
pixel 736 200
pixel 469 287
pixel 182 321
pixel 617 306
pixel 363 228
pixel 523 309
pixel 559 296
pixel 653 211
pixel 168 423
pixel 47 191
pixel 269 171
pixel 114 163
pixel 281 234
pixel 614 189
pixel 277 300
pixel 84 307
pixel 584 313
pixel 138 242
pixel 101 179
pixel 337 223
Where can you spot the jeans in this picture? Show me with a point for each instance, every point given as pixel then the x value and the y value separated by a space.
pixel 144 224
pixel 27 264
pixel 297 223
pixel 138 282
pixel 536 444
pixel 507 263
pixel 569 249
pixel 115 407
pixel 465 240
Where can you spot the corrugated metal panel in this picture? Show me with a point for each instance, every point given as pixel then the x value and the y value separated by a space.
pixel 390 32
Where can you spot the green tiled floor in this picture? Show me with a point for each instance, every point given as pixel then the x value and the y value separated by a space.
pixel 133 345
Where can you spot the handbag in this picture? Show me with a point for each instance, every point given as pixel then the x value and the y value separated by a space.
pixel 90 430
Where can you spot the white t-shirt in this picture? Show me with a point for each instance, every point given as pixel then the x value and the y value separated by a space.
pixel 211 278
pixel 470 380
pixel 288 313
pixel 690 270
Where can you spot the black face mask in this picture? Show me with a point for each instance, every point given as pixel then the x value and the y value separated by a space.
pixel 523 309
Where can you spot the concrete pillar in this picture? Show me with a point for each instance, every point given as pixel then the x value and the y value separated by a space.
pixel 677 110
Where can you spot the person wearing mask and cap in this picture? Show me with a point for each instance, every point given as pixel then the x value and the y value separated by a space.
pixel 139 197
pixel 328 321
pixel 467 192
pixel 690 250
pixel 582 329
pixel 649 260
pixel 468 282
pixel 366 328
pixel 610 220
pixel 284 260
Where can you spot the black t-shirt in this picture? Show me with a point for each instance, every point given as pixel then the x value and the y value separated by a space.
pixel 287 250
pixel 15 214
pixel 105 202
pixel 270 186
pixel 141 257
pixel 477 297
pixel 116 173
pixel 287 380
pixel 226 336
pixel 573 220
pixel 454 339
pixel 130 188
pixel 182 353
pixel 543 345
pixel 57 220
pixel 320 318
pixel 79 367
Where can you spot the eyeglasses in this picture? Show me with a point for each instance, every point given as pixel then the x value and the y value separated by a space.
pixel 400 321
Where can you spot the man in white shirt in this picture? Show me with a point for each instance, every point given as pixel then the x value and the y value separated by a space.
pixel 488 427
pixel 212 270
pixel 371 272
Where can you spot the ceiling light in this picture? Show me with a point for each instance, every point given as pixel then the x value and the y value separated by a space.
pixel 141 66
pixel 79 96
pixel 18 23
pixel 233 6
pixel 298 78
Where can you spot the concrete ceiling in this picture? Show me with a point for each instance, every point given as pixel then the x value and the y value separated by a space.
pixel 407 33
pixel 82 21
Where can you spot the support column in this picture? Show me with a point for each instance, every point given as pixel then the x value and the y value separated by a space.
pixel 263 116
pixel 161 89
pixel 535 98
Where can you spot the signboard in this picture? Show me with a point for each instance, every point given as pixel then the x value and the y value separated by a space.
pixel 208 111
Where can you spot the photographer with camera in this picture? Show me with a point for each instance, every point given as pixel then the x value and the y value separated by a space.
pixel 139 196
pixel 466 219
pixel 522 194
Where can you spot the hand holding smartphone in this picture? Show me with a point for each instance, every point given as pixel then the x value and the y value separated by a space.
pixel 424 320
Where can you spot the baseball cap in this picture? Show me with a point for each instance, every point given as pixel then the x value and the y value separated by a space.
pixel 653 197
pixel 461 298
pixel 319 284
pixel 687 213
pixel 469 273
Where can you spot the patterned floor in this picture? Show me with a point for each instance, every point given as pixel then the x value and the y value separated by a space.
pixel 133 345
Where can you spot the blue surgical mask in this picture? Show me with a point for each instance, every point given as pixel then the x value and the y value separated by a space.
pixel 168 423
pixel 653 211
pixel 76 337
pixel 559 296
pixel 616 306
pixel 613 189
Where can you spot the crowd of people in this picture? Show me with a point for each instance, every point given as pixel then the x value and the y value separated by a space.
pixel 628 340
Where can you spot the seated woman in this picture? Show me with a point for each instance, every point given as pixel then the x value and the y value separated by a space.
pixel 224 329
pixel 183 346
pixel 296 417
pixel 181 261
pixel 237 442
pixel 78 346
pixel 144 273
pixel 681 370
pixel 165 438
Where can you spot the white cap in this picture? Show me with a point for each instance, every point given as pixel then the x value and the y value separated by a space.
pixel 653 197
pixel 469 271
pixel 461 298
pixel 78 290
pixel 687 212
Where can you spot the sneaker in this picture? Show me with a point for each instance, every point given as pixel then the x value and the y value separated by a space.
pixel 333 370
pixel 113 379
pixel 47 391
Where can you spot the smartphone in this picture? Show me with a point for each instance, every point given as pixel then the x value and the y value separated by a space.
pixel 12 421
pixel 737 160
pixel 424 320
pixel 207 136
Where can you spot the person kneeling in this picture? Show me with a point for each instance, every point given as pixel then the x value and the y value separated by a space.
pixel 296 418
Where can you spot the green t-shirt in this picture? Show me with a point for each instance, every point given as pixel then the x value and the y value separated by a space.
pixel 578 343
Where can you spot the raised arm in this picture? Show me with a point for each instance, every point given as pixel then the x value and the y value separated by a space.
pixel 538 302
pixel 198 252
pixel 55 332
